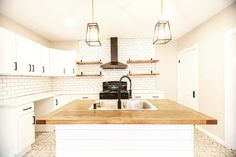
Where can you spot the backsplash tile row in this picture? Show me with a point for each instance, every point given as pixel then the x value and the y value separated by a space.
pixel 15 86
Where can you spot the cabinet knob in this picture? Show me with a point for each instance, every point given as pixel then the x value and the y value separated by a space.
pixel 30 68
pixel 43 69
pixel 33 68
pixel 33 120
pixel 15 65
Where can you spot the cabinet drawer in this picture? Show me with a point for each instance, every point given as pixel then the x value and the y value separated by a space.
pixel 26 108
pixel 85 97
pixel 148 96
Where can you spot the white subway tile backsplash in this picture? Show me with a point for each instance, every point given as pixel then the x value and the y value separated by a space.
pixel 135 49
pixel 15 86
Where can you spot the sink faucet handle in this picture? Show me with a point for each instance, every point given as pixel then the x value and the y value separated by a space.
pixel 95 106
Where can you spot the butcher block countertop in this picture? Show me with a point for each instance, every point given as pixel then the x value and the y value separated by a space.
pixel 169 112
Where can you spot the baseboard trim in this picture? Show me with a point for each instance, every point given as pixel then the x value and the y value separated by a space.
pixel 208 133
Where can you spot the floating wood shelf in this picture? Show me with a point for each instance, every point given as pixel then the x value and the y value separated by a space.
pixel 88 62
pixel 88 75
pixel 144 74
pixel 142 61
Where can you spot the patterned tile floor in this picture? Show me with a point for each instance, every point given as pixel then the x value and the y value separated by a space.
pixel 44 146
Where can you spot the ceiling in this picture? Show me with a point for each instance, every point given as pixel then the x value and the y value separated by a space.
pixel 67 19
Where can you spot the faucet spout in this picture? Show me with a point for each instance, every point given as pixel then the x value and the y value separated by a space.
pixel 119 93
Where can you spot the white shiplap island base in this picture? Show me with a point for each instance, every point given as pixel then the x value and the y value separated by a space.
pixel 125 140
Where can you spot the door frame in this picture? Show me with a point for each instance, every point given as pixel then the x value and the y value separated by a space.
pixel 183 51
pixel 229 105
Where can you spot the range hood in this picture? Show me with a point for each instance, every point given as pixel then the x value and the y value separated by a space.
pixel 114 64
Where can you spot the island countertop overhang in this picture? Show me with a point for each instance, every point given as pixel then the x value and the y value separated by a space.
pixel 169 112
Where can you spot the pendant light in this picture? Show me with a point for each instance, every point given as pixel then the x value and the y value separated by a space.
pixel 92 33
pixel 162 32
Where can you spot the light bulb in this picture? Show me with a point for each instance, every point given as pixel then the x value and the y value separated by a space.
pixel 93 34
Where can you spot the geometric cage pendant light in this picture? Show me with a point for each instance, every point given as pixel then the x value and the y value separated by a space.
pixel 92 32
pixel 162 32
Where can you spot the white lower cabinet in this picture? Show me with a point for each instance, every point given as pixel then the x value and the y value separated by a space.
pixel 17 130
pixel 45 106
pixel 26 130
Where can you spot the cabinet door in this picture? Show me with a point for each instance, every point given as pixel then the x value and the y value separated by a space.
pixel 45 60
pixel 28 56
pixel 8 63
pixel 70 63
pixel 26 131
pixel 57 62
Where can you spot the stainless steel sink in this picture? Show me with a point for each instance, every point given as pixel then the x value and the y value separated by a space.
pixel 126 105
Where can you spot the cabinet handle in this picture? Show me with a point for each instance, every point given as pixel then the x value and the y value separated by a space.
pixel 56 102
pixel 137 96
pixel 193 94
pixel 43 69
pixel 25 109
pixel 33 120
pixel 33 68
pixel 15 64
pixel 64 70
pixel 155 96
pixel 29 67
pixel 84 97
pixel 73 70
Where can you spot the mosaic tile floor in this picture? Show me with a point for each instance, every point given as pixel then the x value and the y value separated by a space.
pixel 44 146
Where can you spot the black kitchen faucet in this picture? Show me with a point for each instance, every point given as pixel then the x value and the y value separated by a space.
pixel 119 94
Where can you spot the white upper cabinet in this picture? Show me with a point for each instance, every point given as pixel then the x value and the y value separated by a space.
pixel 8 62
pixel 57 62
pixel 45 61
pixel 28 56
pixel 62 62
pixel 21 56
pixel 70 63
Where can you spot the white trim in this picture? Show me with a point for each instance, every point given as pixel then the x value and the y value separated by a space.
pixel 193 47
pixel 186 50
pixel 229 105
pixel 208 133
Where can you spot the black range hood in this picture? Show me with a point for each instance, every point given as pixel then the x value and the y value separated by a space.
pixel 114 64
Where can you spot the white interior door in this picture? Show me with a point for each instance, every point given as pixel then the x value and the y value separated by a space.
pixel 230 89
pixel 188 77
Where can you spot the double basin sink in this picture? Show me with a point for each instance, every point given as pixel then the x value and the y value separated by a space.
pixel 125 105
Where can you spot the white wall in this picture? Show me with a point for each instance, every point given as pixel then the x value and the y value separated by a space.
pixel 167 81
pixel 209 37
pixel 13 26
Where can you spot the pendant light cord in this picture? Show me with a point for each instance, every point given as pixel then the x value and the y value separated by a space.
pixel 161 8
pixel 92 11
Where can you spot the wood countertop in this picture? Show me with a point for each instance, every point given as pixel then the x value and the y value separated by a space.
pixel 169 112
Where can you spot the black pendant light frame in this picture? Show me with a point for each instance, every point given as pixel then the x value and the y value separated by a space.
pixel 89 27
pixel 162 24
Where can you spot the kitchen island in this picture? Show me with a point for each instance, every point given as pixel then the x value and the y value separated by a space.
pixel 165 132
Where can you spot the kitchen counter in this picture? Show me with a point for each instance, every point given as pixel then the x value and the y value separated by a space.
pixel 169 112
pixel 17 101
